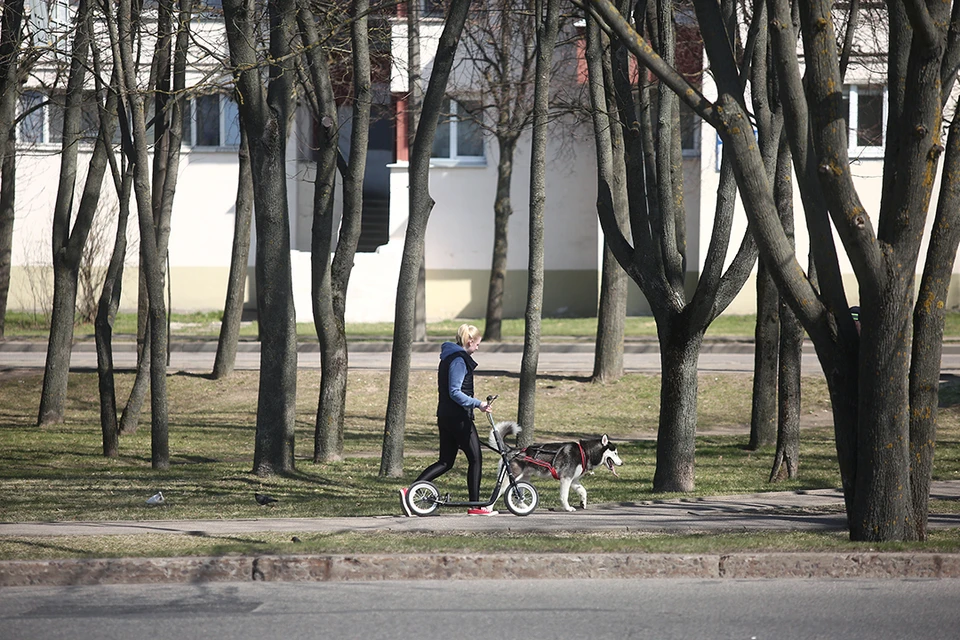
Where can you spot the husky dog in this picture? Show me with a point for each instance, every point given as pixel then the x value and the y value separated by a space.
pixel 568 462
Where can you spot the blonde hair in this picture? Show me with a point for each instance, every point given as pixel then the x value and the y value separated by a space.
pixel 467 332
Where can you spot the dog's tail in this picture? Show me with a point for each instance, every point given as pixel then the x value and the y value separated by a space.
pixel 505 428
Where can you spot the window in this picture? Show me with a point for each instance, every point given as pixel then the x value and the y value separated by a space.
pixel 459 136
pixel 431 8
pixel 33 125
pixel 211 121
pixel 865 110
pixel 42 121
pixel 689 131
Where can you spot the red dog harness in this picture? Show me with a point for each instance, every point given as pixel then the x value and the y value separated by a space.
pixel 546 465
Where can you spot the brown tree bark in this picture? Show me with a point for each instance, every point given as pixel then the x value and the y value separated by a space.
pixel 229 338
pixel 421 204
pixel 265 114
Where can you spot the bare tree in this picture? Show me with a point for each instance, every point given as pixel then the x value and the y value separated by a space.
pixel 11 34
pixel 548 21
pixel 154 203
pixel 331 275
pixel 265 111
pixel 421 204
pixel 233 304
pixel 499 46
pixel 884 400
pixel 655 257
pixel 69 233
pixel 414 106
pixel 611 169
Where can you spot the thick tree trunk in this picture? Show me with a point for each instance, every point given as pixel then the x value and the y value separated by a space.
pixel 882 508
pixel 502 210
pixel 676 436
pixel 264 113
pixel 59 345
pixel 763 415
pixel 236 281
pixel 421 204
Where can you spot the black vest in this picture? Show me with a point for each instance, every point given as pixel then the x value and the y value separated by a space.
pixel 447 407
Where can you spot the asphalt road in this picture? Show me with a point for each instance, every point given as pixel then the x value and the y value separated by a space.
pixel 479 609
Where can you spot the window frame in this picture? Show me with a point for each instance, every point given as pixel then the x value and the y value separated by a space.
pixel 189 137
pixel 851 93
pixel 449 118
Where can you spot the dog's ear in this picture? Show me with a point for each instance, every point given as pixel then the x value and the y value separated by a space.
pixel 604 440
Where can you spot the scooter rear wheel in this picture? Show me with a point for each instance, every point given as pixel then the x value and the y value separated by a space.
pixel 422 498
pixel 522 499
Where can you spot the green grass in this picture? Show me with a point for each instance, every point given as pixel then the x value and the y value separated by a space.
pixel 59 474
pixel 387 542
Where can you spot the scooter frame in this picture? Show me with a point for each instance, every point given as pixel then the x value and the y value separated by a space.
pixel 423 498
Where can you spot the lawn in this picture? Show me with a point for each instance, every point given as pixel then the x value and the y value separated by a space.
pixel 58 473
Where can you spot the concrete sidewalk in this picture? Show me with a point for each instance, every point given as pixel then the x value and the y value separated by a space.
pixel 814 510
pixel 819 510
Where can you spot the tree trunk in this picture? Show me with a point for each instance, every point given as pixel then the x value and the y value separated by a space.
pixel 546 41
pixel 611 170
pixel 928 316
pixel 328 431
pixel 421 204
pixel 676 435
pixel 236 282
pixel 11 25
pixel 68 239
pixel 130 417
pixel 763 415
pixel 331 276
pixel 502 210
pixel 103 325
pixel 414 80
pixel 264 113
pixel 786 461
pixel 787 458
pixel 8 182
pixel 152 234
pixel 882 507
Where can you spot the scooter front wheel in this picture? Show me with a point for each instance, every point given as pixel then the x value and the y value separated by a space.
pixel 422 498
pixel 522 499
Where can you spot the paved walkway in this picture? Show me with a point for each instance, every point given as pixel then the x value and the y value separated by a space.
pixel 815 510
pixel 819 510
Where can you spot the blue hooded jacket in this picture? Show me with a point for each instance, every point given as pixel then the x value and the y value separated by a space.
pixel 456 373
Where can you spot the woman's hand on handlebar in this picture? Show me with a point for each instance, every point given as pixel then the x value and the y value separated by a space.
pixel 485 407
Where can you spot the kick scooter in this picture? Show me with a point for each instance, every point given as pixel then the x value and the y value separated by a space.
pixel 521 497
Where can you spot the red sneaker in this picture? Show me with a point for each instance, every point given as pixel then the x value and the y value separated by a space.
pixel 403 502
pixel 481 512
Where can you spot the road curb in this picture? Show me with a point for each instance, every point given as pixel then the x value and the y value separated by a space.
pixel 374 567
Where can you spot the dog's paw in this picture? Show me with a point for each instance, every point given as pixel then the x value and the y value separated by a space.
pixel 569 508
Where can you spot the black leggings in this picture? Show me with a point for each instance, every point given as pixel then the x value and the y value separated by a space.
pixel 456 435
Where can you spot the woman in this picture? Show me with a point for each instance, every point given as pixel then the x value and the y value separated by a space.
pixel 455 415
